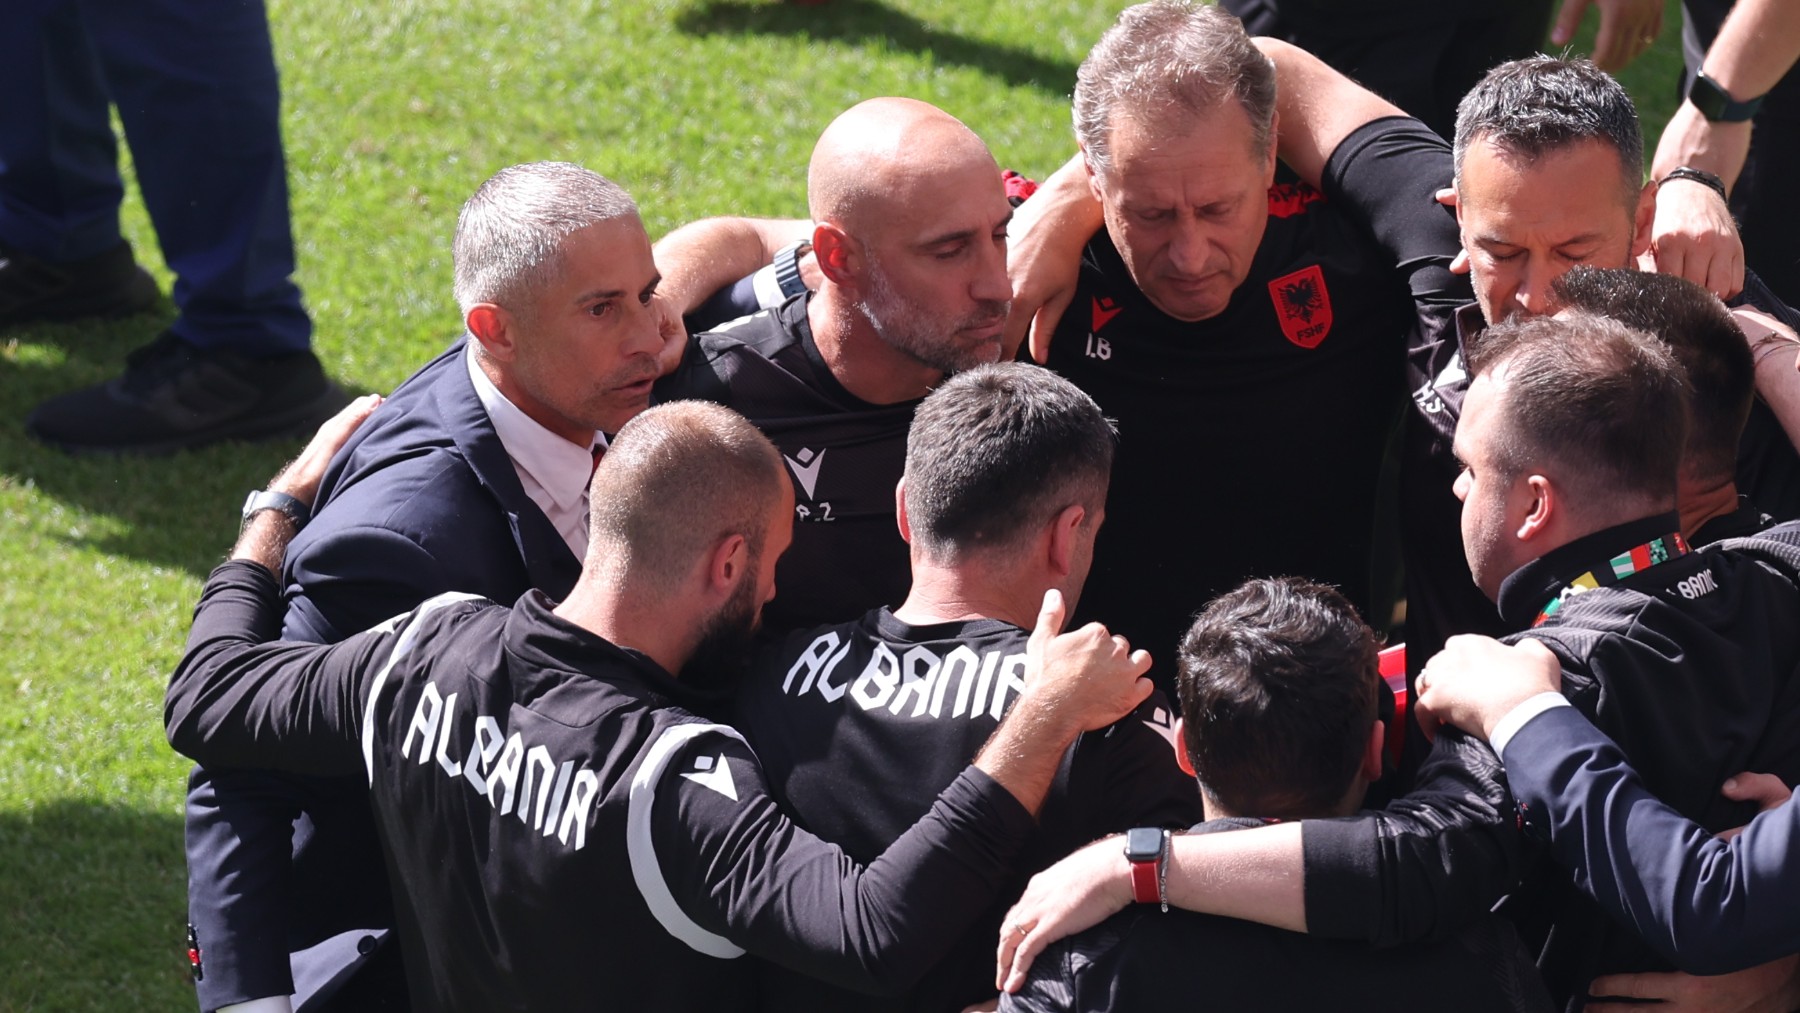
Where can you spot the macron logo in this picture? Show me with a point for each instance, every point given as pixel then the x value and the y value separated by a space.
pixel 805 466
pixel 1162 724
pixel 714 773
pixel 1104 311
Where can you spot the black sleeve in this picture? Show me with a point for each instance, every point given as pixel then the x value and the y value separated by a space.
pixel 737 299
pixel 1388 172
pixel 1424 866
pixel 236 700
pixel 1143 786
pixel 741 871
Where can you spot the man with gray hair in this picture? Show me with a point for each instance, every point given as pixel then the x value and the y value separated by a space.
pixel 1242 326
pixel 472 477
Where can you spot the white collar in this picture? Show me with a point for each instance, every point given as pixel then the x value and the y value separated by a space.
pixel 559 467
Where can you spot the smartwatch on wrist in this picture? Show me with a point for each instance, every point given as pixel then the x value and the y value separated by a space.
pixel 269 499
pixel 787 267
pixel 1717 105
pixel 1147 849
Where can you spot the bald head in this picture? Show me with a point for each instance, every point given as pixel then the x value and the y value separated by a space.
pixel 676 480
pixel 888 152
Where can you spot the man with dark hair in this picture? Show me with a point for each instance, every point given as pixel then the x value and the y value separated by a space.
pixel 1721 385
pixel 563 828
pixel 1548 175
pixel 860 725
pixel 1277 683
pixel 1571 440
pixel 1278 722
pixel 909 235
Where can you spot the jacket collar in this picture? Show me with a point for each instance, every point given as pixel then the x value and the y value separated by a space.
pixel 548 562
pixel 1532 586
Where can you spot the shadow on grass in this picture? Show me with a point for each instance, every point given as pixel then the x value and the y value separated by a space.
pixel 865 21
pixel 178 510
pixel 95 898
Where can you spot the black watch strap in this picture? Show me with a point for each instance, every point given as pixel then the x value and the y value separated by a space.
pixel 1700 176
pixel 269 499
pixel 1717 105
pixel 787 267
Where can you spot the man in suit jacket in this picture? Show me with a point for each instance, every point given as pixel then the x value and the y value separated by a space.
pixel 472 477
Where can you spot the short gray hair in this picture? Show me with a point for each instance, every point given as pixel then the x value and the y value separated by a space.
pixel 509 235
pixel 1169 55
pixel 1541 104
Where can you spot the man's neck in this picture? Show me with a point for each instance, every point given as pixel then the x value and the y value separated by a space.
pixel 867 366
pixel 611 609
pixel 1705 501
pixel 945 594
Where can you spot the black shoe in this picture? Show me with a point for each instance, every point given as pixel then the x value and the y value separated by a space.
pixel 174 395
pixel 109 284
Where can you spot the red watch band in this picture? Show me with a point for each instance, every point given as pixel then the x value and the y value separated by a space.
pixel 1143 882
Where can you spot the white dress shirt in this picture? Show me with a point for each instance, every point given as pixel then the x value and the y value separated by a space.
pixel 554 472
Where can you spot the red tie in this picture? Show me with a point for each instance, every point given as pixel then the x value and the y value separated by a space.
pixel 599 452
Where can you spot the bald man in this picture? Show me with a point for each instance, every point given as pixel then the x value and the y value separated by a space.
pixel 564 830
pixel 908 231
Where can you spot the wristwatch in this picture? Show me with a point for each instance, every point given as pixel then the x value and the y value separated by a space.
pixel 269 499
pixel 787 267
pixel 1717 105
pixel 1147 849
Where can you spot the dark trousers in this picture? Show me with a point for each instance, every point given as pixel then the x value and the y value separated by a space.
pixel 195 87
pixel 287 893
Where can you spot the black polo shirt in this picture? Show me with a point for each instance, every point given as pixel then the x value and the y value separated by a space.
pixel 1250 443
pixel 844 455
pixel 860 726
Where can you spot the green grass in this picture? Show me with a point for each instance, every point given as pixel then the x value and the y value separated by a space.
pixel 394 112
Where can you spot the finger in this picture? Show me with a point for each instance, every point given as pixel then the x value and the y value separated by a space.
pixel 1568 18
pixel 1640 986
pixel 1049 621
pixel 1537 650
pixel 1141 660
pixel 1671 259
pixel 1009 941
pixel 1018 330
pixel 1043 326
pixel 1613 46
pixel 1718 276
pixel 338 427
pixel 1766 790
pixel 1030 945
pixel 1734 275
pixel 1141 691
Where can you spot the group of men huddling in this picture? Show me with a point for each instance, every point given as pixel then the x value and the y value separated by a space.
pixel 729 670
